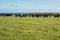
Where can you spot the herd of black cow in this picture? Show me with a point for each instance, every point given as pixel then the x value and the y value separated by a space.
pixel 31 14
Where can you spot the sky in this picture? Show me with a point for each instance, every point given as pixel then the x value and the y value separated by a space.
pixel 29 5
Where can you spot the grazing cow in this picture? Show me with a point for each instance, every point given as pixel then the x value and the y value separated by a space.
pixel 8 14
pixel 24 15
pixel 33 15
pixel 56 15
pixel 37 15
pixel 18 15
pixel 30 15
pixel 45 15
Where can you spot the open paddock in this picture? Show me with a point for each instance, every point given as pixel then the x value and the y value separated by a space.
pixel 29 28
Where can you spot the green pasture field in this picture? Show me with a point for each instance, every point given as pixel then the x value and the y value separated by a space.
pixel 29 28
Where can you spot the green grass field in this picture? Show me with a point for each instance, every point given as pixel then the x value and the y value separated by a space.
pixel 28 28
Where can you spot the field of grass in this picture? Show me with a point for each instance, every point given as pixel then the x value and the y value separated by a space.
pixel 28 28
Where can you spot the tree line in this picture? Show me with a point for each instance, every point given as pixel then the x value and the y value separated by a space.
pixel 32 14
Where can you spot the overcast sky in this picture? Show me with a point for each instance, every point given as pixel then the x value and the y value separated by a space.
pixel 29 5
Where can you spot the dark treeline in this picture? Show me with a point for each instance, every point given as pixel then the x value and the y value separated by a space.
pixel 31 14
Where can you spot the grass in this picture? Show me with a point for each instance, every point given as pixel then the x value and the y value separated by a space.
pixel 28 28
